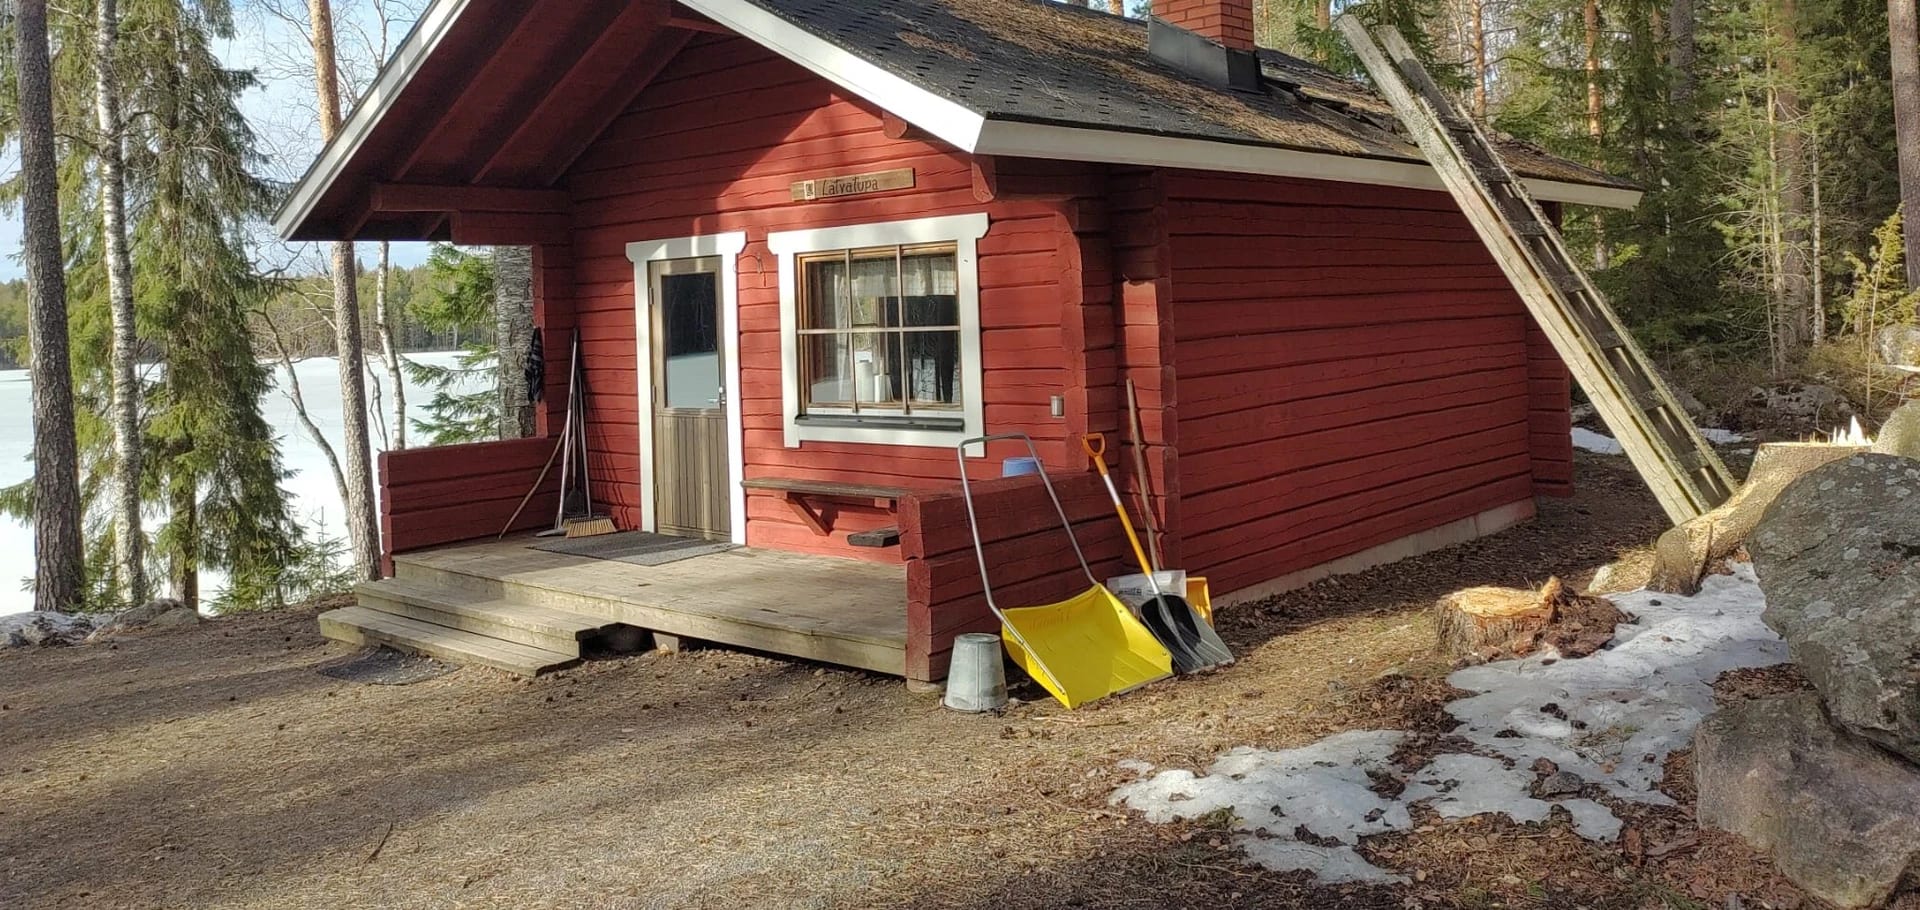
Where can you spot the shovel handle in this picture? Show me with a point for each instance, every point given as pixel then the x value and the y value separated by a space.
pixel 1095 445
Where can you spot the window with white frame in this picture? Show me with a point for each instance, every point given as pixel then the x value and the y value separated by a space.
pixel 880 331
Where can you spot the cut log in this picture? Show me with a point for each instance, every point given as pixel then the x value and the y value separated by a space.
pixel 1684 554
pixel 1495 623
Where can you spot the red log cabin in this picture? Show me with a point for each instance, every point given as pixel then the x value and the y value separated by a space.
pixel 807 246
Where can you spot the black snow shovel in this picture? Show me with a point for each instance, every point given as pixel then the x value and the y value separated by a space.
pixel 1173 622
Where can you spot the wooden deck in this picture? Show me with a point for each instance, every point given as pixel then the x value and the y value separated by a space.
pixel 836 611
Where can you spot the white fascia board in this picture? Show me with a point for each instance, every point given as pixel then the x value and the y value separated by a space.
pixel 1033 140
pixel 954 123
pixel 426 35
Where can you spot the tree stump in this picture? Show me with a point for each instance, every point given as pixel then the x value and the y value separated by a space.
pixel 1683 554
pixel 1490 623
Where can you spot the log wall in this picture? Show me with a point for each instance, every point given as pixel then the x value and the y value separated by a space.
pixel 1353 368
pixel 712 146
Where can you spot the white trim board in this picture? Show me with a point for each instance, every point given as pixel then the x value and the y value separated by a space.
pixel 964 232
pixel 727 248
pixel 1033 140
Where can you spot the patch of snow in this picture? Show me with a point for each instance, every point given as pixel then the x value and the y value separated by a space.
pixel 1462 786
pixel 1592 820
pixel 1611 717
pixel 1324 789
pixel 1721 437
pixel 1590 441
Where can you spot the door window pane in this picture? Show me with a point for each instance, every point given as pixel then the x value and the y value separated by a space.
pixel 690 338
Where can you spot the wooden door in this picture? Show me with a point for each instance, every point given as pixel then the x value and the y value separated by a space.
pixel 690 472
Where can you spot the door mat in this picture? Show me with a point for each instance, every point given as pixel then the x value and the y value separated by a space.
pixel 637 547
pixel 386 667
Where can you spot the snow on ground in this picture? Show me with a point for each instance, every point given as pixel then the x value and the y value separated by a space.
pixel 1590 441
pixel 1611 717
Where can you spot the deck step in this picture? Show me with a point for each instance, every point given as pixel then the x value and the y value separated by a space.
pixel 482 614
pixel 362 626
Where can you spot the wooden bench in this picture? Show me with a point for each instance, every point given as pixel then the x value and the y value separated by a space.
pixel 798 492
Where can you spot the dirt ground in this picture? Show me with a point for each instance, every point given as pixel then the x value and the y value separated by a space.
pixel 214 768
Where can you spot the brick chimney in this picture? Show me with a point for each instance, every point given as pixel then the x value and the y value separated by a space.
pixel 1228 23
pixel 1208 39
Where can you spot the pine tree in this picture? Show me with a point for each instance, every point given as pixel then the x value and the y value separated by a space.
pixel 59 573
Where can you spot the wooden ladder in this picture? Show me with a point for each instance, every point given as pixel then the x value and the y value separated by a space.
pixel 1685 473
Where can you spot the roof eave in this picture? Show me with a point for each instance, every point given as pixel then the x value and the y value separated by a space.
pixel 1041 140
pixel 420 43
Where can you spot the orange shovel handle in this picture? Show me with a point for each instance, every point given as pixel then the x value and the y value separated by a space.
pixel 1095 445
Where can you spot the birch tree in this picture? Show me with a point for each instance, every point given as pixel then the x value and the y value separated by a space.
pixel 128 538
pixel 59 574
pixel 513 335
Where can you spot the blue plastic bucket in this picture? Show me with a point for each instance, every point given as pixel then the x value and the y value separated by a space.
pixel 1019 467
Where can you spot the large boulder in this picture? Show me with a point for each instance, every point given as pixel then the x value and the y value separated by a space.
pixel 1838 557
pixel 42 629
pixel 1685 553
pixel 1841 817
pixel 160 613
pixel 1900 435
pixel 1898 345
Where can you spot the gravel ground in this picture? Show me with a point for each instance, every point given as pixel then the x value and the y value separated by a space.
pixel 216 768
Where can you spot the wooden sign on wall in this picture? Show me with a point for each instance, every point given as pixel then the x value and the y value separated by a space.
pixel 852 185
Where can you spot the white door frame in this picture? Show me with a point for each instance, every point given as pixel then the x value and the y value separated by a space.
pixel 726 247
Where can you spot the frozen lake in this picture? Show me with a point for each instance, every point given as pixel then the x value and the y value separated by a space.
pixel 315 499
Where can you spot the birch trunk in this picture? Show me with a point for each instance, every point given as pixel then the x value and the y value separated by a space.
pixel 59 575
pixel 362 527
pixel 1595 128
pixel 1796 272
pixel 1904 28
pixel 513 334
pixel 387 318
pixel 129 542
pixel 1479 26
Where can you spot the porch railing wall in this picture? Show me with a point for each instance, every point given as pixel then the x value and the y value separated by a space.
pixel 447 494
pixel 1027 552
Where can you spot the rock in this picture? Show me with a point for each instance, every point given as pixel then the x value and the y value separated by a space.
pixel 1560 783
pixel 1840 817
pixel 1900 435
pixel 1808 403
pixel 1838 556
pixel 1898 345
pixel 1683 555
pixel 42 629
pixel 160 613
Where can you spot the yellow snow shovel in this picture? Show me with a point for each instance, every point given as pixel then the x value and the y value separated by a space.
pixel 1081 649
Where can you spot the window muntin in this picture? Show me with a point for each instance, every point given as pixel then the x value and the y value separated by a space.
pixel 880 334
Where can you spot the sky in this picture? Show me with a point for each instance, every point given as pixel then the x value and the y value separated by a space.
pixel 281 110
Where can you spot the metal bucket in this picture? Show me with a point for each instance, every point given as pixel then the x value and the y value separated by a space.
pixel 977 679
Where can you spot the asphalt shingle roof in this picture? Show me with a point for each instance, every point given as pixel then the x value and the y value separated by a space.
pixel 1036 61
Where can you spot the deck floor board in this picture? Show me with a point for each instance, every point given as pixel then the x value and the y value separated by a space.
pixel 840 611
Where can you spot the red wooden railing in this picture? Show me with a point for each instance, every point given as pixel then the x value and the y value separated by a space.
pixel 446 494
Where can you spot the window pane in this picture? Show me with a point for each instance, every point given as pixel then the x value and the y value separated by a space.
pixel 826 289
pixel 875 287
pixel 824 358
pixel 689 326
pixel 933 367
pixel 876 369
pixel 932 288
